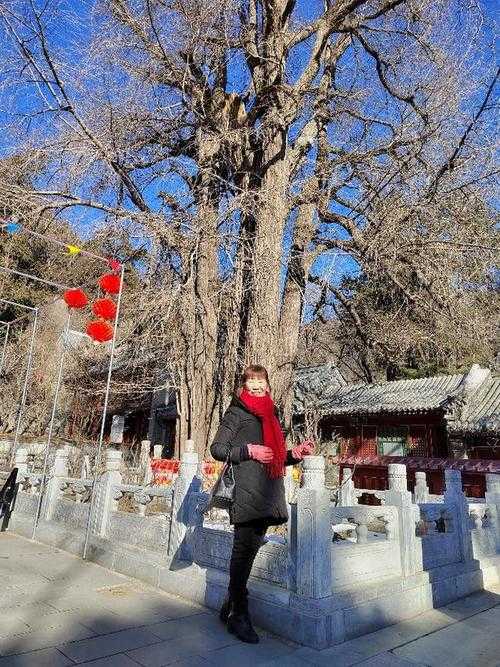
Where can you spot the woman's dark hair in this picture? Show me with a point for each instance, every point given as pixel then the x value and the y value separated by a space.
pixel 253 369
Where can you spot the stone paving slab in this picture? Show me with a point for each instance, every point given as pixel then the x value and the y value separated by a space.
pixel 105 645
pixel 196 644
pixel 49 657
pixel 247 655
pixel 57 610
pixel 37 639
pixel 389 660
pixel 474 641
pixel 119 660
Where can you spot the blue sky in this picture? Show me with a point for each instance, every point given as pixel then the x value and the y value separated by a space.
pixel 68 44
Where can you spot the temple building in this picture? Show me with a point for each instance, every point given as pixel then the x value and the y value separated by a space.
pixel 423 422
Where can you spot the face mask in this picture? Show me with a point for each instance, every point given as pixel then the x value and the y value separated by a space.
pixel 256 386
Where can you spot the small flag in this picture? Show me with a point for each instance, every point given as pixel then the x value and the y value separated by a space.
pixel 13 227
pixel 74 249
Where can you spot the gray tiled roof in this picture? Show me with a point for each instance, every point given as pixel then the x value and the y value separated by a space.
pixel 314 384
pixel 475 394
pixel 400 396
pixel 481 411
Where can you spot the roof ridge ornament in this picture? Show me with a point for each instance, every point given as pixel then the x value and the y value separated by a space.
pixel 474 378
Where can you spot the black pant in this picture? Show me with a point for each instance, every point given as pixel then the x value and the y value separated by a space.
pixel 246 544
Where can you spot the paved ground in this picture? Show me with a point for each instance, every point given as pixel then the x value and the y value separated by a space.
pixel 57 610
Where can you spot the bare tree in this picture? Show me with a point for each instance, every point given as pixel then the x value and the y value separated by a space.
pixel 245 142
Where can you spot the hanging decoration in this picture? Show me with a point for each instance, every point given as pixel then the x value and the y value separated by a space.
pixel 100 331
pixel 114 265
pixel 105 308
pixel 110 283
pixel 74 249
pixel 75 298
pixel 12 227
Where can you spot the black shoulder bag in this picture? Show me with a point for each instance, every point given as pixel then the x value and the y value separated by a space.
pixel 222 494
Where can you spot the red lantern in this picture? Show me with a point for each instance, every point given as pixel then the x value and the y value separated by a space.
pixel 100 331
pixel 105 308
pixel 114 264
pixel 75 298
pixel 110 283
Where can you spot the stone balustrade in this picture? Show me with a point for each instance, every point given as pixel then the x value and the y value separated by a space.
pixel 29 482
pixel 480 516
pixel 76 489
pixel 433 518
pixel 141 497
pixel 336 571
pixel 368 521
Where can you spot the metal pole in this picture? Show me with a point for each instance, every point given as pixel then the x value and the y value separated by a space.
pixel 30 276
pixel 103 420
pixel 17 304
pixel 51 427
pixel 25 387
pixel 5 340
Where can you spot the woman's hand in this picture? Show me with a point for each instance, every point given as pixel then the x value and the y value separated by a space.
pixel 260 453
pixel 305 448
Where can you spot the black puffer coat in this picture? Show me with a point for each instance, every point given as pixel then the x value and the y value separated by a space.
pixel 257 496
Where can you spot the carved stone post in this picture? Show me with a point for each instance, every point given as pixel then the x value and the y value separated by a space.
pixel 53 493
pixel 347 494
pixel 104 501
pixel 289 484
pixel 492 497
pixel 456 503
pixel 399 496
pixel 187 482
pixel 145 450
pixel 421 494
pixel 21 462
pixel 313 533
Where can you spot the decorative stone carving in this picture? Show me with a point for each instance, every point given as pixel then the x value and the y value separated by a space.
pixel 289 484
pixel 493 483
pixel 399 496
pixel 492 497
pixel 362 533
pixel 86 469
pixel 311 536
pixel 142 498
pixel 79 489
pixel 313 472
pixel 397 477
pixel 421 493
pixel 21 461
pixel 476 520
pixel 186 483
pixel 457 504
pixel 104 493
pixel 453 483
pixel 55 484
pixel 347 492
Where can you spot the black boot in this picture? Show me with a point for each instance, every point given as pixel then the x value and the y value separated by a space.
pixel 239 624
pixel 225 609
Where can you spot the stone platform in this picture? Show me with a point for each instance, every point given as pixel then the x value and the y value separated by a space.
pixel 58 610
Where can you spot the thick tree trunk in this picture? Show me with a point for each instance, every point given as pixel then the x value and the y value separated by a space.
pixel 292 308
pixel 198 396
pixel 262 335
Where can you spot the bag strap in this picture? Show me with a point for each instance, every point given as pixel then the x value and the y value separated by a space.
pixel 229 464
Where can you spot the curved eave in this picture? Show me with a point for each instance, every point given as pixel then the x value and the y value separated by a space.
pixel 349 412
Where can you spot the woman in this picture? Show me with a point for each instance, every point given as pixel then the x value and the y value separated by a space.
pixel 250 434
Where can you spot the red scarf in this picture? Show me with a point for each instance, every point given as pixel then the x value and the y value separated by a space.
pixel 272 435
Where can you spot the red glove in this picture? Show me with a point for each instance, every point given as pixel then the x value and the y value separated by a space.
pixel 303 449
pixel 260 453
